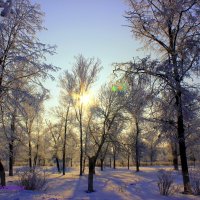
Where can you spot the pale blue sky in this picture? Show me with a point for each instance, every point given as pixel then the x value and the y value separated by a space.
pixel 93 28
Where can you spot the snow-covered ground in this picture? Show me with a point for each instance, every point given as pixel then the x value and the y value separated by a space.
pixel 118 184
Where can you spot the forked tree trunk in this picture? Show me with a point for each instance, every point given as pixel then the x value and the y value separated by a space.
pixel 92 161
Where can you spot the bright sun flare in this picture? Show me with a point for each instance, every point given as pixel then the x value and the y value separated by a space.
pixel 85 99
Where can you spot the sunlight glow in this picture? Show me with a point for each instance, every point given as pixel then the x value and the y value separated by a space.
pixel 85 99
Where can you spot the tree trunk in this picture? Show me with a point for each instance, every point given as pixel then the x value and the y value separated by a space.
pixel 36 155
pixel 175 155
pixel 128 160
pixel 151 154
pixel 3 178
pixel 58 164
pixel 182 146
pixel 114 160
pixel 81 147
pixel 2 175
pixel 37 151
pixel 101 164
pixel 11 145
pixel 64 143
pixel 194 159
pixel 91 174
pixel 30 152
pixel 71 162
pixel 11 158
pixel 137 147
pixel 110 162
pixel 84 160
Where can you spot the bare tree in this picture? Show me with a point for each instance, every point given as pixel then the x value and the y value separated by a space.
pixel 55 131
pixel 104 120
pixel 21 51
pixel 84 74
pixel 135 105
pixel 172 29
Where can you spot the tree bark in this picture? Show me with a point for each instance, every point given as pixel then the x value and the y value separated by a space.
pixel 91 174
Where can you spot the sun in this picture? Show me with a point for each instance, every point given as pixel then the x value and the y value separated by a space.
pixel 85 99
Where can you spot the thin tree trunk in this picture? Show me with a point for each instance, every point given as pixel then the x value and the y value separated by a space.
pixel 151 154
pixel 71 162
pixel 37 146
pixel 11 145
pixel 84 161
pixel 128 160
pixel 137 147
pixel 57 164
pixel 64 143
pixel 101 160
pixel 110 162
pixel 114 159
pixel 36 155
pixel 30 152
pixel 11 158
pixel 81 143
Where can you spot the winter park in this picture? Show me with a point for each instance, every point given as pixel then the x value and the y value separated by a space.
pixel 99 100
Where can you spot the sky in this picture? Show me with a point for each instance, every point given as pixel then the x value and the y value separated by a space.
pixel 93 28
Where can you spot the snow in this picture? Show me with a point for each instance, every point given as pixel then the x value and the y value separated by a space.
pixel 118 184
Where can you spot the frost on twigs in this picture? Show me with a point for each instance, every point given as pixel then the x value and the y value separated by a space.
pixel 32 179
pixel 195 181
pixel 165 182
